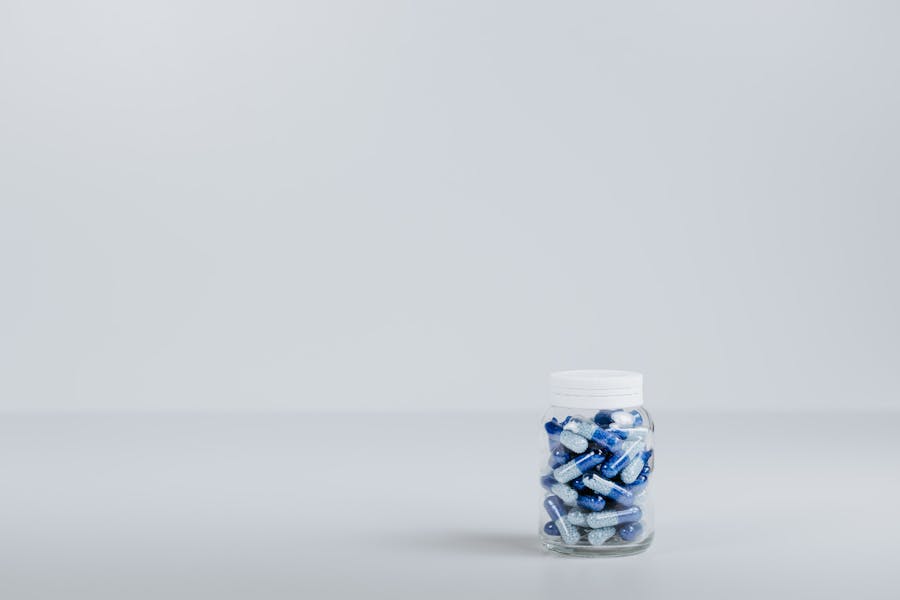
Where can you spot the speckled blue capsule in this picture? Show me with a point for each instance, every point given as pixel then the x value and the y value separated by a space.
pixel 577 467
pixel 630 531
pixel 615 463
pixel 551 529
pixel 557 511
pixel 573 441
pixel 609 489
pixel 610 518
pixel 591 502
pixel 605 439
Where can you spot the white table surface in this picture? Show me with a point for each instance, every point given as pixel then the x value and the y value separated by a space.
pixel 433 506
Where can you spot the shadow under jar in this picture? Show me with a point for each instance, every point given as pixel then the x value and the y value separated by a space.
pixel 596 465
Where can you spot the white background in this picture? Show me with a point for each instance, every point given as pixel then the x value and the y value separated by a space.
pixel 400 205
pixel 221 222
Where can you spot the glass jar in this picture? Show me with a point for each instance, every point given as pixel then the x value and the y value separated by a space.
pixel 596 465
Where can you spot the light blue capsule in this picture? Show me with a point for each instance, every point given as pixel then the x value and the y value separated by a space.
pixel 609 489
pixel 588 429
pixel 577 517
pixel 611 518
pixel 635 468
pixel 598 537
pixel 632 470
pixel 578 466
pixel 566 493
pixel 557 511
pixel 617 461
pixel 573 441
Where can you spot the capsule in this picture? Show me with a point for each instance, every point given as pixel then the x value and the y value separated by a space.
pixel 591 502
pixel 636 467
pixel 605 439
pixel 578 484
pixel 553 429
pixel 573 441
pixel 617 461
pixel 577 517
pixel 597 537
pixel 559 456
pixel 603 418
pixel 627 418
pixel 630 531
pixel 578 466
pixel 557 511
pixel 551 529
pixel 611 518
pixel 567 494
pixel 609 489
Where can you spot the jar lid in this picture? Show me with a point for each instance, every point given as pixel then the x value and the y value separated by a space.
pixel 594 388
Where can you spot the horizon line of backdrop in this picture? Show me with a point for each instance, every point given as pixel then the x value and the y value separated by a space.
pixel 426 206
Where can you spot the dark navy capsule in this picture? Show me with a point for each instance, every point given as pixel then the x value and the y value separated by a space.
pixel 603 418
pixel 591 502
pixel 578 484
pixel 630 531
pixel 550 528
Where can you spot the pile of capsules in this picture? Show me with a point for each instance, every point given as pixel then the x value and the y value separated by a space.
pixel 598 477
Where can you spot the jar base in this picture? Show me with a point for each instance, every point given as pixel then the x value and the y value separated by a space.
pixel 608 551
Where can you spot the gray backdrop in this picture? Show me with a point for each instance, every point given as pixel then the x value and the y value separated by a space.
pixel 396 205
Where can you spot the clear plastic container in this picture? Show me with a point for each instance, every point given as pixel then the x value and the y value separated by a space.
pixel 596 465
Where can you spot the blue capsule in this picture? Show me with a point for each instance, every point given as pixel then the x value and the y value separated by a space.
pixel 551 529
pixel 636 467
pixel 609 489
pixel 591 502
pixel 557 511
pixel 578 484
pixel 558 456
pixel 630 531
pixel 605 439
pixel 603 418
pixel 580 465
pixel 553 427
pixel 618 461
pixel 611 518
